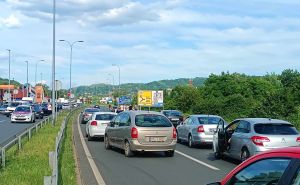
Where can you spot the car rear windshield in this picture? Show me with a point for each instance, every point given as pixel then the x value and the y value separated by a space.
pixel 151 120
pixel 14 104
pixel 104 117
pixel 275 129
pixel 91 110
pixel 172 113
pixel 209 120
pixel 23 109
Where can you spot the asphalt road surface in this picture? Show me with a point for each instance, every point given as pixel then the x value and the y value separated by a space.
pixel 10 130
pixel 189 166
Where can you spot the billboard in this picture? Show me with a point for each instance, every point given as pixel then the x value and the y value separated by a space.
pixel 151 98
pixel 125 100
pixel 39 94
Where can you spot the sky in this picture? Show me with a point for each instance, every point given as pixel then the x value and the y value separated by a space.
pixel 149 39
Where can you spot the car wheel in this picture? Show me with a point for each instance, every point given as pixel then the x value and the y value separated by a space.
pixel 170 153
pixel 106 143
pixel 244 154
pixel 12 122
pixel 190 141
pixel 90 138
pixel 128 151
pixel 33 120
pixel 178 140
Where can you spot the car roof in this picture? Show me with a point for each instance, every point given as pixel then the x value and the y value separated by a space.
pixel 263 120
pixel 204 115
pixel 140 112
pixel 97 113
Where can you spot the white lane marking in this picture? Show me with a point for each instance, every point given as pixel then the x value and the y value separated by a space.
pixel 92 163
pixel 1 121
pixel 197 161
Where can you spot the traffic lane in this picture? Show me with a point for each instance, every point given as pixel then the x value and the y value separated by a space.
pixel 150 168
pixel 9 130
pixel 206 154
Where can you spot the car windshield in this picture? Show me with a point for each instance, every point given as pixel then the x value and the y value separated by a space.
pixel 91 110
pixel 104 117
pixel 275 129
pixel 22 109
pixel 172 113
pixel 209 120
pixel 14 104
pixel 150 120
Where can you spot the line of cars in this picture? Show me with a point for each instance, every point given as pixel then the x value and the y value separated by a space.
pixel 266 142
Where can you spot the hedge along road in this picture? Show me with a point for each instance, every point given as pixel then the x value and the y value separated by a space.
pixel 192 166
pixel 10 130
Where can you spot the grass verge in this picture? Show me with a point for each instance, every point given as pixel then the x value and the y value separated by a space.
pixel 66 163
pixel 29 165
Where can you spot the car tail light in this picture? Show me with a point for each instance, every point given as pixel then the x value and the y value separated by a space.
pixel 200 128
pixel 259 140
pixel 134 133
pixel 94 123
pixel 298 139
pixel 174 133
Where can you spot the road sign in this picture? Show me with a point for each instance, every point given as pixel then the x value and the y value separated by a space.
pixel 16 91
pixel 157 98
pixel 125 100
pixel 145 98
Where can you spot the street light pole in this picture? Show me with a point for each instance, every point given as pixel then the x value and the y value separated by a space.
pixel 53 63
pixel 27 93
pixel 119 77
pixel 9 71
pixel 42 79
pixel 36 64
pixel 71 60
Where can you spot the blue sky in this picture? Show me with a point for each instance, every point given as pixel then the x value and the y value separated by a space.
pixel 150 40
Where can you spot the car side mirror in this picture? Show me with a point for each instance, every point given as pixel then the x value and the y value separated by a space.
pixel 215 183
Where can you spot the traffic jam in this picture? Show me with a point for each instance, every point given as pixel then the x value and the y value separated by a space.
pixel 268 149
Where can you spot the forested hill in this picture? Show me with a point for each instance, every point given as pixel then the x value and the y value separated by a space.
pixel 4 81
pixel 133 87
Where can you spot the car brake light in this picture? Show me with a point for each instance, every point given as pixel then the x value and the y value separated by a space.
pixel 298 139
pixel 134 133
pixel 174 133
pixel 200 128
pixel 259 140
pixel 94 123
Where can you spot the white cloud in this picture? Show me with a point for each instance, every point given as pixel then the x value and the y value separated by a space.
pixel 10 22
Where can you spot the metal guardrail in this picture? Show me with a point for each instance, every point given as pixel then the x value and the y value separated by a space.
pixel 18 138
pixel 54 155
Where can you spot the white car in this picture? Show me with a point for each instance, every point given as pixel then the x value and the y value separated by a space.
pixel 96 126
pixel 23 113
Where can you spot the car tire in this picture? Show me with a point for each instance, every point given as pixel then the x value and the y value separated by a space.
pixel 33 120
pixel 190 141
pixel 178 140
pixel 90 138
pixel 106 143
pixel 170 153
pixel 245 154
pixel 12 122
pixel 128 152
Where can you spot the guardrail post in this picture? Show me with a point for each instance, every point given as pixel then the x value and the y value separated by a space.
pixel 29 133
pixel 36 128
pixel 51 159
pixel 47 180
pixel 20 142
pixel 3 157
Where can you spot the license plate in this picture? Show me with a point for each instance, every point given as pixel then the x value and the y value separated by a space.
pixel 156 139
pixel 211 130
pixel 104 124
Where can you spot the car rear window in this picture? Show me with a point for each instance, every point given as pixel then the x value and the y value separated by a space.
pixel 209 120
pixel 275 129
pixel 104 117
pixel 23 109
pixel 151 120
pixel 172 113
pixel 14 104
pixel 91 110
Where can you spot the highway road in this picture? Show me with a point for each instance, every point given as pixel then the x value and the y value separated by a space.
pixel 9 130
pixel 189 166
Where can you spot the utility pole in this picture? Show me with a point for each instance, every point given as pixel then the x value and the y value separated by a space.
pixel 9 72
pixel 53 64
pixel 27 93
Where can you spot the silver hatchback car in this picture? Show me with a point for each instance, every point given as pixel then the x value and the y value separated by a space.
pixel 141 131
pixel 244 138
pixel 198 129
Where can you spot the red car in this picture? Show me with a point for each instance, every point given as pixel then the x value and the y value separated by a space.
pixel 275 167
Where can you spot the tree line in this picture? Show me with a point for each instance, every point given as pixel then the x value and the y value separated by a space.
pixel 234 95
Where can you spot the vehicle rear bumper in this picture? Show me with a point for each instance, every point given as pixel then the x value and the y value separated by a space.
pixel 203 139
pixel 94 132
pixel 137 146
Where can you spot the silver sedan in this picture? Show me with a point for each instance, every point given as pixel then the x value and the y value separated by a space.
pixel 198 129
